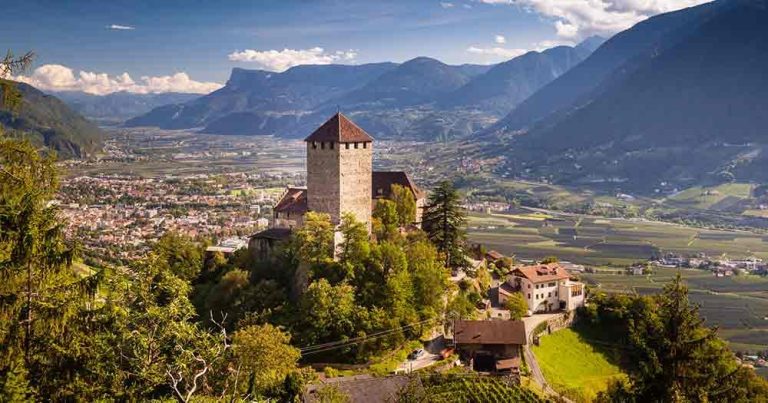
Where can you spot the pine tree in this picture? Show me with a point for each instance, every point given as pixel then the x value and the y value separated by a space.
pixel 444 221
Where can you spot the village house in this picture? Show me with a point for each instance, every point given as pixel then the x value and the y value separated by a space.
pixel 545 287
pixel 491 345
pixel 340 179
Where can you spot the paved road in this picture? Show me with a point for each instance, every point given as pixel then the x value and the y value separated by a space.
pixel 431 356
pixel 530 323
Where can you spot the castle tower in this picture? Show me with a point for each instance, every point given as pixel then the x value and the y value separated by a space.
pixel 339 170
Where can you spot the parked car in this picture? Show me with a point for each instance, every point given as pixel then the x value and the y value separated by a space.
pixel 416 354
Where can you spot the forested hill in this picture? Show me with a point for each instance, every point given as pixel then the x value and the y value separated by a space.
pixel 48 121
pixel 677 99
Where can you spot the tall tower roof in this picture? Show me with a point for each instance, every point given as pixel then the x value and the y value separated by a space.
pixel 341 130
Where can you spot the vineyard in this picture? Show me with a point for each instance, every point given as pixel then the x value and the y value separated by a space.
pixel 475 389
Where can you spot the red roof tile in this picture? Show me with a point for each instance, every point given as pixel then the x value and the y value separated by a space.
pixel 294 200
pixel 382 182
pixel 341 130
pixel 540 273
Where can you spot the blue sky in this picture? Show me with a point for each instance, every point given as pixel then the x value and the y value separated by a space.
pixel 191 43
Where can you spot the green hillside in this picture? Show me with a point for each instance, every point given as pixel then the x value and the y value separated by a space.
pixel 49 122
pixel 573 366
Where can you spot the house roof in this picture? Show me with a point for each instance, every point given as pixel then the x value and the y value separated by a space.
pixel 507 363
pixel 362 388
pixel 277 234
pixel 495 255
pixel 540 273
pixel 506 288
pixel 294 200
pixel 339 129
pixel 489 332
pixel 382 182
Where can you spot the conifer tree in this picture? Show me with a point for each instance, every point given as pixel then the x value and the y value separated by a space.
pixel 444 223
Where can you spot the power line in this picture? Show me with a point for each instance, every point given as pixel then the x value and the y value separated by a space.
pixel 357 340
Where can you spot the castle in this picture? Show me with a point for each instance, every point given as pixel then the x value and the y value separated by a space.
pixel 340 179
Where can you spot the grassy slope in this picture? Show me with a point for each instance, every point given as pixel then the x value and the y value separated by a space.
pixel 573 366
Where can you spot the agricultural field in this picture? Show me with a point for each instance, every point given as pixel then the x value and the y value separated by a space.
pixel 460 388
pixel 738 305
pixel 596 241
pixel 726 197
pixel 574 366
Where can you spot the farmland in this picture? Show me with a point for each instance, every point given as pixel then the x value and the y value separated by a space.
pixel 472 388
pixel 737 305
pixel 598 241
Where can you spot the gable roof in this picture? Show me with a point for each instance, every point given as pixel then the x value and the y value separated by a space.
pixel 382 182
pixel 540 273
pixel 294 200
pixel 489 332
pixel 277 234
pixel 341 130
pixel 362 388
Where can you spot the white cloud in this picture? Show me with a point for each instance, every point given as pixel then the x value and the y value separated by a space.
pixel 578 19
pixel 498 52
pixel 446 4
pixel 55 77
pixel 500 39
pixel 121 27
pixel 281 60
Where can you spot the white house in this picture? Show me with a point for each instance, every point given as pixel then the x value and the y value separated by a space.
pixel 546 287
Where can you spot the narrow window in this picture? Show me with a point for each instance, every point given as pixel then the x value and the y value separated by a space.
pixel 355 145
pixel 549 295
pixel 365 145
pixel 314 145
pixel 322 145
pixel 529 296
pixel 347 144
pixel 331 143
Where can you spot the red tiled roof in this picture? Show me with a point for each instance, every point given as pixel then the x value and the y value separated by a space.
pixel 341 130
pixel 540 273
pixel 489 332
pixel 294 200
pixel 382 182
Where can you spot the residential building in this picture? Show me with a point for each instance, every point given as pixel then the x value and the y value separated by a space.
pixel 545 287
pixel 491 345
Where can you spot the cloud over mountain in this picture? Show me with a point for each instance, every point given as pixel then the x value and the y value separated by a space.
pixel 55 77
pixel 580 19
pixel 281 60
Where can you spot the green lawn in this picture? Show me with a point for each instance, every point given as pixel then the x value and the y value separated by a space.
pixel 574 367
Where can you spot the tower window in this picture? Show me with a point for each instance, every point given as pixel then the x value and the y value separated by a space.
pixel 347 144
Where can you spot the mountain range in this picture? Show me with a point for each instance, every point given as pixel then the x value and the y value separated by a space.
pixel 678 99
pixel 49 122
pixel 422 98
pixel 117 107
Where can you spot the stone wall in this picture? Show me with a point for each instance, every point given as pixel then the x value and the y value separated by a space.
pixel 339 179
pixel 356 168
pixel 323 185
